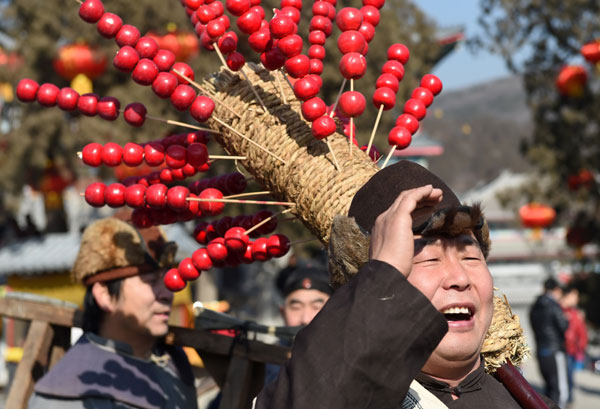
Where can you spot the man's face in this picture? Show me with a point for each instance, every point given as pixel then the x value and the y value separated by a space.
pixel 453 275
pixel 144 304
pixel 301 306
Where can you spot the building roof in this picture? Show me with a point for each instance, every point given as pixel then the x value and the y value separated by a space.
pixel 56 252
pixel 421 145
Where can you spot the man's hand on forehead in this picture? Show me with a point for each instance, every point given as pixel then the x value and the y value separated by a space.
pixel 392 239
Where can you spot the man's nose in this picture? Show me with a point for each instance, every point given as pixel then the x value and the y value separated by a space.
pixel 456 277
pixel 307 316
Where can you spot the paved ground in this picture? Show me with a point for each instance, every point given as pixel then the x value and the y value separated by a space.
pixel 587 385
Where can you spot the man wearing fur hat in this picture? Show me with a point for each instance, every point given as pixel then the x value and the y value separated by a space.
pixel 406 331
pixel 119 362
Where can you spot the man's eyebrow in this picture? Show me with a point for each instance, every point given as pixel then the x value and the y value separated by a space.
pixel 467 240
pixel 421 242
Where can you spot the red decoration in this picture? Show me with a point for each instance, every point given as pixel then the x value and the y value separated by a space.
pixel 571 81
pixel 536 215
pixel 591 52
pixel 183 44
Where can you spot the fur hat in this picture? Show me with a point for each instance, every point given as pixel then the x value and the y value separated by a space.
pixel 350 235
pixel 112 248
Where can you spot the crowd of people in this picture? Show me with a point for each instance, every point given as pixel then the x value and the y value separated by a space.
pixel 402 325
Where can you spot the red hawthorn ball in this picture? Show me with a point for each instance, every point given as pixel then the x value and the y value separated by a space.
pixel 164 60
pixel 147 47
pixel 145 72
pixel 259 249
pixel 153 178
pixel 27 90
pixel 291 3
pixel 349 18
pixel 156 196
pixel 370 15
pixel 398 52
pixel 178 174
pixel 193 4
pixel 235 183
pixel 201 260
pixel 235 61
pixel 321 23
pixel 268 227
pixel 373 153
pixel 353 65
pixel 313 108
pixel 409 122
pixel 323 127
pixel 215 28
pixel 173 280
pixel 249 22
pixel 127 35
pixel 395 68
pixel 188 170
pixel 94 194
pixel 222 225
pixel 112 154
pixel 290 45
pixel 292 13
pixel 182 97
pixel 385 97
pixel 166 176
pixel 320 8
pixel 415 107
pixel 187 270
pixel 91 10
pixel 273 59
pixel 176 198
pixel 352 104
pixel 192 207
pixel 317 51
pixel 135 196
pixel 91 154
pixel 399 137
pixel 237 7
pixel 217 7
pixel 109 25
pixel 175 156
pixel 236 239
pixel 351 41
pixel 210 208
pixel 281 26
pixel 260 40
pixel 298 66
pixel 133 154
pixel 368 32
pixel 228 42
pixel 47 94
pixel 432 83
pixel 197 154
pixel 306 88
pixel 126 59
pixel 217 251
pixel 278 245
pixel 261 13
pixel 378 4
pixel 205 14
pixel 316 66
pixel 202 108
pixel 332 11
pixel 108 108
pixel 88 104
pixel 141 218
pixel 154 153
pixel 135 114
pixel 247 257
pixel 387 80
pixel 114 195
pixel 67 99
pixel 424 95
pixel 185 69
pixel 317 37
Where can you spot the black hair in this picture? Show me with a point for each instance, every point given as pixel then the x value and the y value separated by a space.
pixel 92 313
pixel 550 284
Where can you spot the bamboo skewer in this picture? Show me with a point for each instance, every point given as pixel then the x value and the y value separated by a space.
pixel 374 129
pixel 262 202
pixel 256 226
pixel 264 192
pixel 332 113
pixel 389 155
pixel 182 124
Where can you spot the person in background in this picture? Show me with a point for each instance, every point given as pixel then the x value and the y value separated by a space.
pixel 549 325
pixel 120 360
pixel 576 338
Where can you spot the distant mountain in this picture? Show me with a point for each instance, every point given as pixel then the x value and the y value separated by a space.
pixel 481 128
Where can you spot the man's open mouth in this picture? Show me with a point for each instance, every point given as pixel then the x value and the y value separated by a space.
pixel 459 313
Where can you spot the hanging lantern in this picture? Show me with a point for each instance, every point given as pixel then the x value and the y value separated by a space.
pixel 183 44
pixel 74 59
pixel 536 215
pixel 571 81
pixel 591 52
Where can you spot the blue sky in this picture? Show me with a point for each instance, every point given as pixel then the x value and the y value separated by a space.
pixel 462 68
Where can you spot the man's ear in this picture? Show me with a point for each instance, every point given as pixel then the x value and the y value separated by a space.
pixel 281 307
pixel 103 298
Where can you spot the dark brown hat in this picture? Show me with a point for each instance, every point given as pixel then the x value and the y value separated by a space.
pixel 349 243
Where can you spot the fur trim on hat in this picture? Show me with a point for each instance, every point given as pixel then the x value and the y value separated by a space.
pixel 108 243
pixel 349 244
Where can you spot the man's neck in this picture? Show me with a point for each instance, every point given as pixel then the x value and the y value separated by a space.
pixel 452 375
pixel 141 345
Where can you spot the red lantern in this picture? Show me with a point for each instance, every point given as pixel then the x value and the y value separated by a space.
pixel 536 215
pixel 571 80
pixel 76 59
pixel 591 52
pixel 183 44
